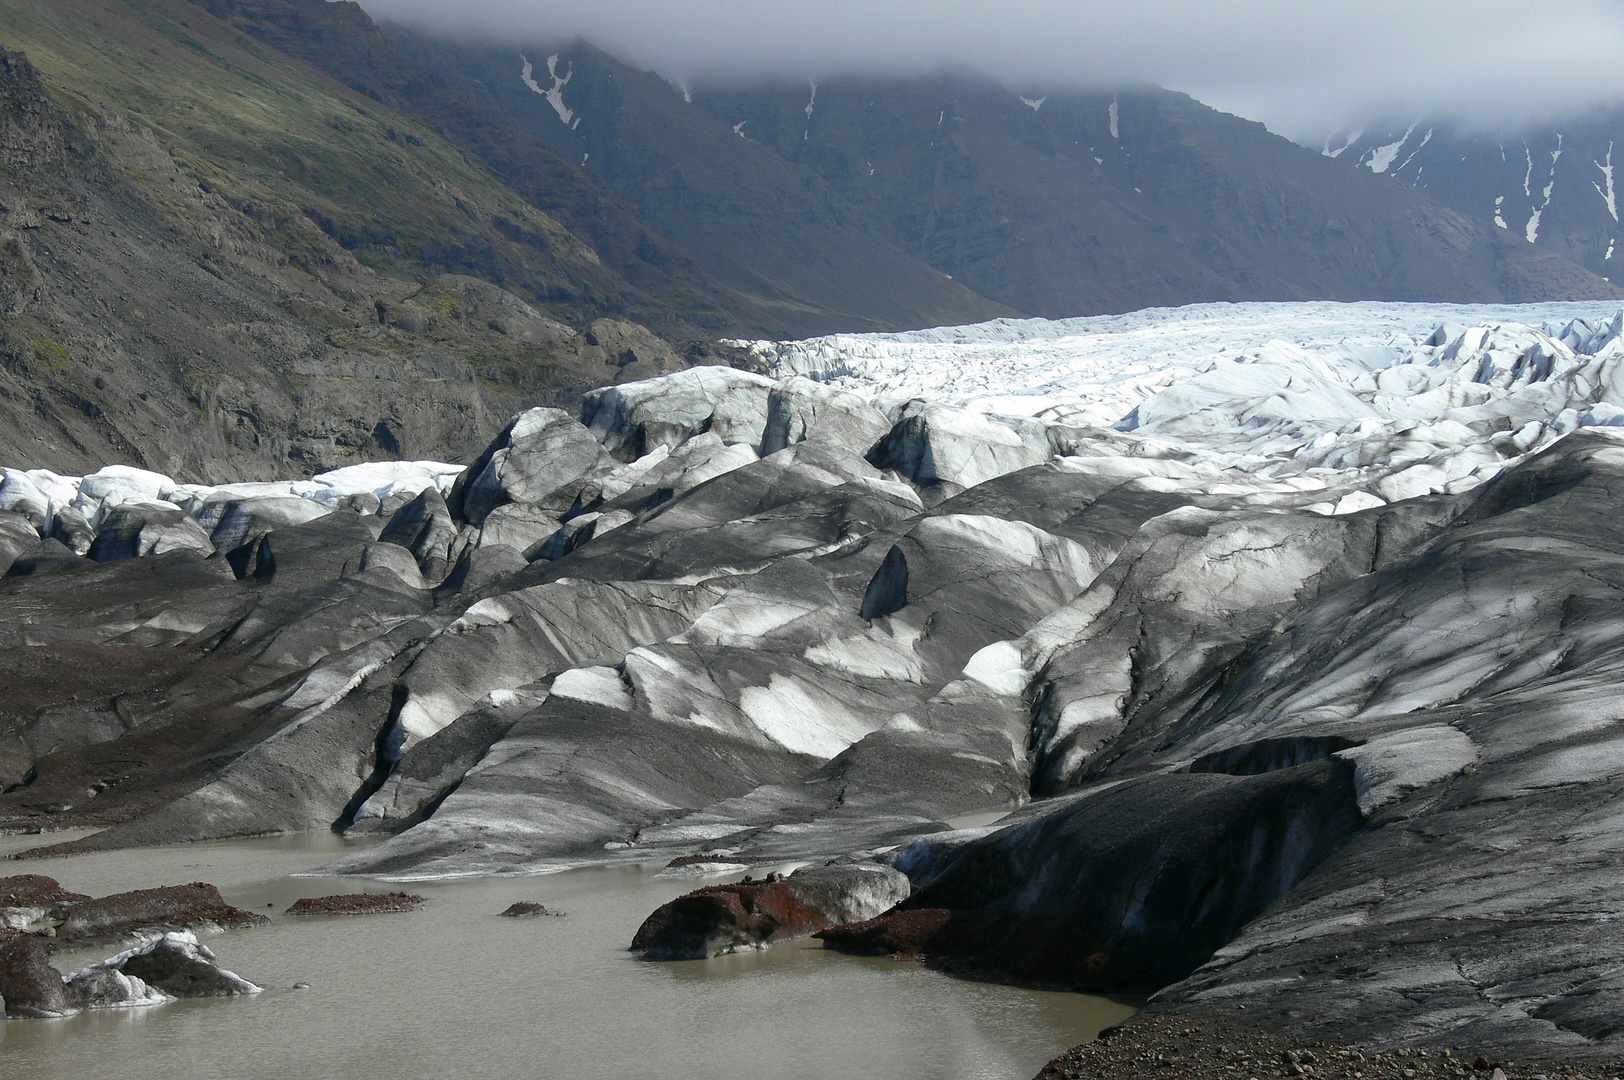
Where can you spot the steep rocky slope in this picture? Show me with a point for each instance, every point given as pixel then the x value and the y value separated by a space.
pixel 1298 677
pixel 1552 185
pixel 223 265
pixel 1051 202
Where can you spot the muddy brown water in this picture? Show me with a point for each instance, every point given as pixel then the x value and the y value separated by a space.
pixel 453 990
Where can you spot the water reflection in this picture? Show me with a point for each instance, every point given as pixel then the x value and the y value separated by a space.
pixel 453 990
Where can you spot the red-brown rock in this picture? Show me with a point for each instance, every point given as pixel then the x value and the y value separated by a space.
pixel 30 899
pixel 355 904
pixel 991 945
pixel 526 907
pixel 722 918
pixel 197 906
pixel 35 890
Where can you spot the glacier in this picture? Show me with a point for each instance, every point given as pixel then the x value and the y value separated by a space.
pixel 1289 628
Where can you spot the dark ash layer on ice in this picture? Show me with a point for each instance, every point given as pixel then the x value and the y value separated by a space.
pixel 1360 766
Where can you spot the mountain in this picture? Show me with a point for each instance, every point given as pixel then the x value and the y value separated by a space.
pixel 1553 186
pixel 738 209
pixel 1050 203
pixel 247 237
pixel 223 264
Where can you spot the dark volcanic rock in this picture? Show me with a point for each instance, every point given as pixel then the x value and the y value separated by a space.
pixel 355 904
pixel 725 918
pixel 172 907
pixel 28 982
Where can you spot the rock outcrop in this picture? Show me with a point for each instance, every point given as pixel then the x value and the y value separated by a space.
pixel 754 915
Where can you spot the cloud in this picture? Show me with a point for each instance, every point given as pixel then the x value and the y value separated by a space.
pixel 1301 67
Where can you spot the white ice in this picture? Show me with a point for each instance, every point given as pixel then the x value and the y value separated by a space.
pixel 1389 400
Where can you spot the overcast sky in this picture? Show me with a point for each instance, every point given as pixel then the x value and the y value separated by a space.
pixel 1301 66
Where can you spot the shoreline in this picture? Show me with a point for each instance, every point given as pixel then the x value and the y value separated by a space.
pixel 1168 1046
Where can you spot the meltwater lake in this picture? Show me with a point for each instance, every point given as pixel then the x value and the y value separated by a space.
pixel 451 989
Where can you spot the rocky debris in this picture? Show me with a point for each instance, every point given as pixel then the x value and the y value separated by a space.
pixel 526 908
pixel 704 858
pixel 355 904
pixel 29 985
pixel 197 906
pixel 632 348
pixel 30 899
pixel 753 915
pixel 1183 1048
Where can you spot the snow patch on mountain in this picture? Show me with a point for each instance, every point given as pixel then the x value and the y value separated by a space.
pixel 1406 163
pixel 1353 136
pixel 1115 115
pixel 1381 158
pixel 553 93
pixel 1608 194
pixel 1034 103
